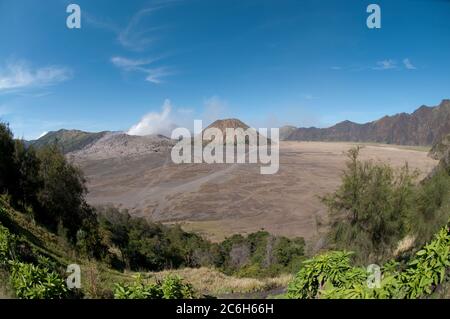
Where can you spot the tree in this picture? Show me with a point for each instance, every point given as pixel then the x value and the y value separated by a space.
pixel 61 197
pixel 371 209
pixel 8 170
pixel 29 182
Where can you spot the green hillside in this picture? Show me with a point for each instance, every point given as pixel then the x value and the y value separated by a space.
pixel 67 140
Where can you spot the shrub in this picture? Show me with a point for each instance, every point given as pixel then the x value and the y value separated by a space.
pixel 331 276
pixel 6 240
pixel 34 282
pixel 330 268
pixel 172 287
pixel 432 207
pixel 371 209
pixel 428 268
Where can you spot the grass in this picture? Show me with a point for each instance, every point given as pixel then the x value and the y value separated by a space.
pixel 98 281
pixel 209 281
pixel 404 147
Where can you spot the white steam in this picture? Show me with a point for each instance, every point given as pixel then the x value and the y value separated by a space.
pixel 155 123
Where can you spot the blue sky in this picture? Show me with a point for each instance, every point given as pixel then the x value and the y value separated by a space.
pixel 148 65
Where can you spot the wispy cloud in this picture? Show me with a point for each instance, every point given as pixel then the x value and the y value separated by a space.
pixel 130 64
pixel 137 36
pixel 153 75
pixel 19 75
pixel 36 95
pixel 100 23
pixel 408 64
pixel 386 65
pixel 134 37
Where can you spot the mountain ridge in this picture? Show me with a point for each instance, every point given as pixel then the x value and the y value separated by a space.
pixel 425 126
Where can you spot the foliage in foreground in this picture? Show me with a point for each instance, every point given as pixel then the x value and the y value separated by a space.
pixel 331 276
pixel 172 287
pixel 29 281
pixel 34 282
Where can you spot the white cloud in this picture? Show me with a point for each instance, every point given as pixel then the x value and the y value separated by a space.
pixel 386 65
pixel 100 23
pixel 153 75
pixel 129 64
pixel 19 75
pixel 155 123
pixel 136 38
pixel 136 35
pixel 408 64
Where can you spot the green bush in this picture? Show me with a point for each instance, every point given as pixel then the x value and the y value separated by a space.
pixel 6 240
pixel 330 268
pixel 138 290
pixel 429 267
pixel 172 287
pixel 331 275
pixel 34 282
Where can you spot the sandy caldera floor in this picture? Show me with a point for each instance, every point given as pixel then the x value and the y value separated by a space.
pixel 221 200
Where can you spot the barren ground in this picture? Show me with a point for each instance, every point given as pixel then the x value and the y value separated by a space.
pixel 220 200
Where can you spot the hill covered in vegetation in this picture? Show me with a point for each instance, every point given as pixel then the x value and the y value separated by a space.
pixel 67 140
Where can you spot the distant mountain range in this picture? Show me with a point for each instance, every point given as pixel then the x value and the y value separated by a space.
pixel 425 126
